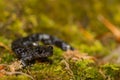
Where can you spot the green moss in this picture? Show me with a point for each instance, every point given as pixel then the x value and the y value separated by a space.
pixel 85 70
pixel 13 77
pixel 111 71
pixel 7 58
pixel 96 48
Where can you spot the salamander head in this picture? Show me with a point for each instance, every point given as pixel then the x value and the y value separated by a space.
pixel 35 53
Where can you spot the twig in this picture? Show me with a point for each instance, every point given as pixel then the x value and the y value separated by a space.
pixel 6 47
pixel 110 26
pixel 12 73
pixel 101 72
pixel 68 67
pixel 3 65
pixel 87 34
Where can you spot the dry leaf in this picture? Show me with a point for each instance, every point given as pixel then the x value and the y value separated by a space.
pixel 15 66
pixel 2 67
pixel 76 55
pixel 1 74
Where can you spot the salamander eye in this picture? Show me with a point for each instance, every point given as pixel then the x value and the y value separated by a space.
pixel 50 47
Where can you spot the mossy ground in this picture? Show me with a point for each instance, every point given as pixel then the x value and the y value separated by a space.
pixel 62 69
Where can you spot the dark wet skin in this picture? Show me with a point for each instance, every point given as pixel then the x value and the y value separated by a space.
pixel 28 50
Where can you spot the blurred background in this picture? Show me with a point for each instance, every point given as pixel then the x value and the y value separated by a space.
pixel 88 25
